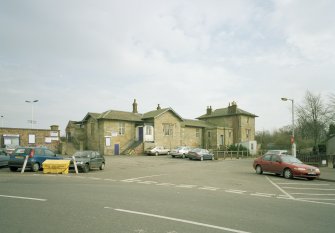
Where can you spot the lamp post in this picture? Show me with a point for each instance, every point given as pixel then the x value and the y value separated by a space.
pixel 294 149
pixel 2 121
pixel 32 110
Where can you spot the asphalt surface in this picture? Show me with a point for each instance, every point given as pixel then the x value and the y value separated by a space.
pixel 160 194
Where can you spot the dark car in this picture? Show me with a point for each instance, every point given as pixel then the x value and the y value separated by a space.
pixel 200 154
pixel 285 165
pixel 4 157
pixel 87 160
pixel 36 156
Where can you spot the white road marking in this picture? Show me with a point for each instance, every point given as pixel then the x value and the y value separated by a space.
pixel 188 186
pixel 147 182
pixel 263 194
pixel 317 199
pixel 138 178
pixel 306 184
pixel 235 191
pixel 110 180
pixel 309 189
pixel 178 220
pixel 209 188
pixel 165 184
pixel 25 198
pixel 314 194
pixel 282 190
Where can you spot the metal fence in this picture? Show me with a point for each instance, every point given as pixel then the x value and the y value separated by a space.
pixel 319 160
pixel 221 154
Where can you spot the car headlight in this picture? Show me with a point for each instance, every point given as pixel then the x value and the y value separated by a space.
pixel 317 170
pixel 300 168
pixel 81 162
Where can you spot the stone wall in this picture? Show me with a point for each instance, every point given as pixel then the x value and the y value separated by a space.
pixel 49 138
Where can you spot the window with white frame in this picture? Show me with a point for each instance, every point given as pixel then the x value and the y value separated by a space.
pixel 122 128
pixel 148 130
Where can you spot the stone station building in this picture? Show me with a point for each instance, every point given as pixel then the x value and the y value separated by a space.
pixel 118 132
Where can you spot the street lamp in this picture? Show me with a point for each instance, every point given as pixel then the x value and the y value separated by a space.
pixel 2 121
pixel 294 149
pixel 32 110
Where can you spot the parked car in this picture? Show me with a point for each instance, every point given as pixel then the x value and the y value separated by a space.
pixel 180 151
pixel 277 152
pixel 285 165
pixel 200 154
pixel 36 156
pixel 87 160
pixel 4 157
pixel 157 150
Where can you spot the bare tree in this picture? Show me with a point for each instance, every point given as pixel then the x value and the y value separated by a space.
pixel 313 118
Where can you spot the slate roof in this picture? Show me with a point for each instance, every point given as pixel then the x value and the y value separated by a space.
pixel 156 113
pixel 120 115
pixel 197 123
pixel 225 112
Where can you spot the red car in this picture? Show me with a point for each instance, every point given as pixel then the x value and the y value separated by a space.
pixel 285 165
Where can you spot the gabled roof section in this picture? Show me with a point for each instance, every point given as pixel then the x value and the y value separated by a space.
pixel 120 115
pixel 226 112
pixel 197 123
pixel 159 112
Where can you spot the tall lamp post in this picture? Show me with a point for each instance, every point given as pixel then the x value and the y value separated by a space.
pixel 2 121
pixel 32 110
pixel 294 149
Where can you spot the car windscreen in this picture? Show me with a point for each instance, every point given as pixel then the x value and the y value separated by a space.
pixel 82 154
pixel 22 151
pixel 290 159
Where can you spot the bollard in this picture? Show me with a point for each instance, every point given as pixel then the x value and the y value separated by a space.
pixel 75 164
pixel 24 164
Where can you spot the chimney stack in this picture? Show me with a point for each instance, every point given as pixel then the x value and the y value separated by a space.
pixel 158 107
pixel 135 107
pixel 209 110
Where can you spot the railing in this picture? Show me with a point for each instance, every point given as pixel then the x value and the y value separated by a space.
pixel 220 154
pixel 314 159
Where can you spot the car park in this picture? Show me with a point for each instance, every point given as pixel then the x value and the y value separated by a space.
pixel 285 165
pixel 87 160
pixel 36 156
pixel 4 157
pixel 157 150
pixel 200 154
pixel 180 152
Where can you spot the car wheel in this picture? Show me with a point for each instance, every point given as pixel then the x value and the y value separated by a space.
pixel 156 153
pixel 86 168
pixel 102 166
pixel 13 169
pixel 259 169
pixel 183 156
pixel 288 173
pixel 35 167
pixel 201 158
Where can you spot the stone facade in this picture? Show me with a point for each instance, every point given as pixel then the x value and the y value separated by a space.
pixel 114 132
pixel 49 138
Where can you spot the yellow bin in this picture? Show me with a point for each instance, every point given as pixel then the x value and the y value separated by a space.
pixel 56 166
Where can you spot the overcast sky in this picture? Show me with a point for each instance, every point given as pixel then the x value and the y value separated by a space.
pixel 92 56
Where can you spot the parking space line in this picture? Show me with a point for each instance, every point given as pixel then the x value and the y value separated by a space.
pixel 138 178
pixel 209 188
pixel 178 220
pixel 25 198
pixel 309 189
pixel 165 184
pixel 189 186
pixel 235 191
pixel 303 184
pixel 263 194
pixel 282 190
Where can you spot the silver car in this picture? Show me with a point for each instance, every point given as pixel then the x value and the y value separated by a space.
pixel 157 150
pixel 180 151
